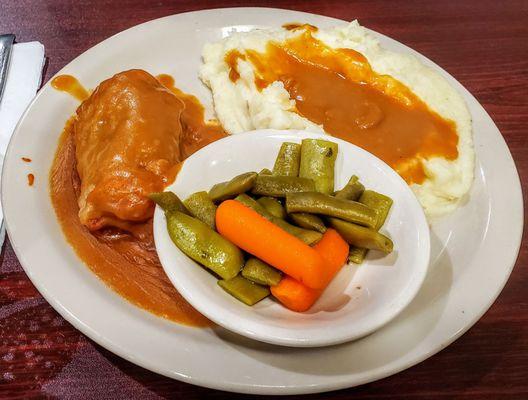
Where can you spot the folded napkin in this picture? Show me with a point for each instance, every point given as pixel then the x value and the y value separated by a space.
pixel 23 80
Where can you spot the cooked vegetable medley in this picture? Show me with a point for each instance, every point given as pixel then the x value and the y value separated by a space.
pixel 297 231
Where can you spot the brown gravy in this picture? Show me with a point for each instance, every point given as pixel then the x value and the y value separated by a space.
pixel 197 133
pixel 338 89
pixel 296 25
pixel 127 261
pixel 70 85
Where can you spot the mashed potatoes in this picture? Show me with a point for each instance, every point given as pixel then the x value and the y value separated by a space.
pixel 241 106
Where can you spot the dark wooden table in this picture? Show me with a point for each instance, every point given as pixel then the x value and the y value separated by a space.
pixel 483 43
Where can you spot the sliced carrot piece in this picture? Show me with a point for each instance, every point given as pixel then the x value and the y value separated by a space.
pixel 334 250
pixel 298 297
pixel 253 233
pixel 294 295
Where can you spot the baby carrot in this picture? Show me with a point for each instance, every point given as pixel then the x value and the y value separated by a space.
pixel 255 234
pixel 294 295
pixel 298 297
pixel 334 250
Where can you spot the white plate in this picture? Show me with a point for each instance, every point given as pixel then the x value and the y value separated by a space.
pixel 472 251
pixel 344 312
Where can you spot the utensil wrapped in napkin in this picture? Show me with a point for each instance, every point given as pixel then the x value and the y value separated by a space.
pixel 24 75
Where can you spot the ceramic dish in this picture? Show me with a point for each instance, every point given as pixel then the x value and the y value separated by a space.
pixel 359 300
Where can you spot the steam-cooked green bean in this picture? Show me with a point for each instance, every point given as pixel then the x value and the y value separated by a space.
pixel 379 202
pixel 259 272
pixel 308 221
pixel 227 190
pixel 356 254
pixel 382 205
pixel 205 246
pixel 352 190
pixel 319 203
pixel 362 237
pixel 318 162
pixel 168 201
pixel 250 202
pixel 307 236
pixel 279 186
pixel 273 206
pixel 288 160
pixel 202 207
pixel 244 290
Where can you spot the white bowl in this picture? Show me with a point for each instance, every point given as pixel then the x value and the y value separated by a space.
pixel 358 301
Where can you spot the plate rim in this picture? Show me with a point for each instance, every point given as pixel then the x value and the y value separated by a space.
pixel 252 388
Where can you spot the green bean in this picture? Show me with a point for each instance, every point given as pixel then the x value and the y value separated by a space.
pixel 168 201
pixel 288 160
pixel 227 190
pixel 205 246
pixel 250 202
pixel 308 221
pixel 318 162
pixel 379 202
pixel 382 205
pixel 259 272
pixel 362 237
pixel 273 206
pixel 319 203
pixel 352 191
pixel 265 171
pixel 356 254
pixel 307 236
pixel 202 207
pixel 244 290
pixel 279 186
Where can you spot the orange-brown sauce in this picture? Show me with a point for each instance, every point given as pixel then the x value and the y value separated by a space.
pixel 127 260
pixel 70 85
pixel 296 25
pixel 338 89
pixel 26 159
pixel 197 133
pixel 31 179
pixel 231 60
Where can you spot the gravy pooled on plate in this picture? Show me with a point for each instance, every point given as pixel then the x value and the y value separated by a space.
pixel 114 151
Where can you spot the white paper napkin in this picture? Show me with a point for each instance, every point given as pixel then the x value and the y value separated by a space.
pixel 23 80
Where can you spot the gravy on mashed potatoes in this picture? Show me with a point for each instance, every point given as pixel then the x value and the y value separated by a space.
pixel 342 82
